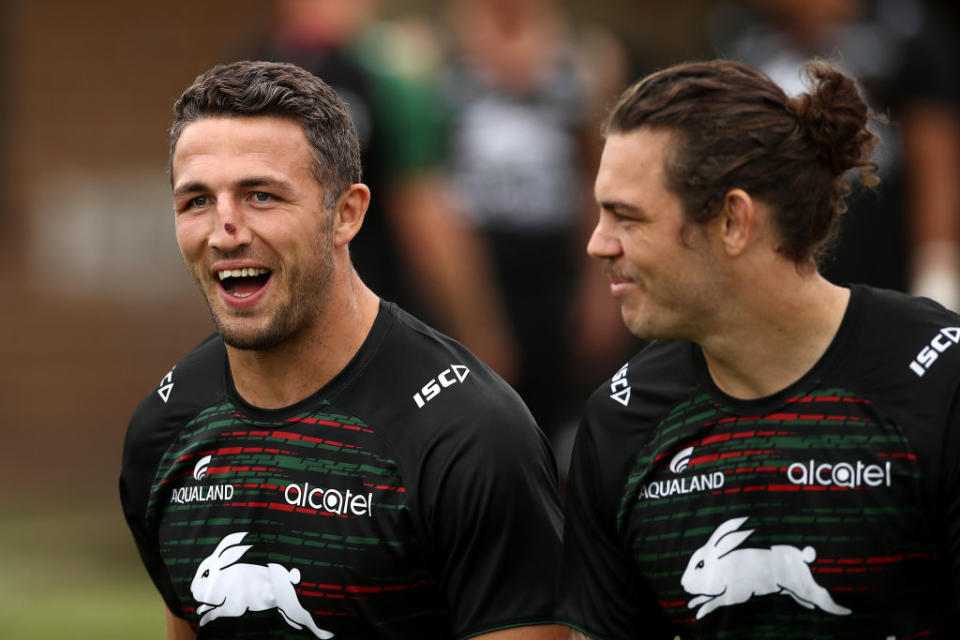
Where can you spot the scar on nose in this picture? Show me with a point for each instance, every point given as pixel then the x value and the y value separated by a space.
pixel 229 228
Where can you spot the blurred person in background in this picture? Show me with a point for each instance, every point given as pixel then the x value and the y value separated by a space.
pixel 526 93
pixel 414 249
pixel 325 465
pixel 904 55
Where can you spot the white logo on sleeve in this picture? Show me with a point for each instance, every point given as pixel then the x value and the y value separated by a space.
pixel 720 575
pixel 620 386
pixel 166 386
pixel 451 375
pixel 946 338
pixel 227 588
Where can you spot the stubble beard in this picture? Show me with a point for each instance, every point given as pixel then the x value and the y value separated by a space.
pixel 307 291
pixel 682 315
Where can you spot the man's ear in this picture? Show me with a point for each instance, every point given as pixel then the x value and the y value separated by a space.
pixel 351 208
pixel 737 222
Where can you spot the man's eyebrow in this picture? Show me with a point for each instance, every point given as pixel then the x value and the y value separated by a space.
pixel 264 181
pixel 610 205
pixel 190 187
pixel 246 183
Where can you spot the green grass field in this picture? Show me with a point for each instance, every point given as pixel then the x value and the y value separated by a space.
pixel 72 573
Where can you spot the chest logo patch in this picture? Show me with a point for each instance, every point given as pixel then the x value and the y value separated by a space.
pixel 200 469
pixel 227 588
pixel 681 460
pixel 719 574
pixel 656 489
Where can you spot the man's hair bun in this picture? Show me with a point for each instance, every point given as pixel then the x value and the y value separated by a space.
pixel 834 117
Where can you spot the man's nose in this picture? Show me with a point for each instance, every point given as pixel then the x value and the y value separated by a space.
pixel 603 243
pixel 230 230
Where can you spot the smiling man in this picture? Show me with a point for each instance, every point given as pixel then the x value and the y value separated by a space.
pixel 783 459
pixel 324 465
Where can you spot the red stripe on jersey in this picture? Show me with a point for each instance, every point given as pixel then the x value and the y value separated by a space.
pixel 781 416
pixel 885 559
pixel 702 459
pixel 723 437
pixel 355 589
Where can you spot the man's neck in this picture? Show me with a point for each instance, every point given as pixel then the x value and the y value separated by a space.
pixel 296 369
pixel 776 334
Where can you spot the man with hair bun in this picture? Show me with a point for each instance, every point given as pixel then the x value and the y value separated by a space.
pixel 783 459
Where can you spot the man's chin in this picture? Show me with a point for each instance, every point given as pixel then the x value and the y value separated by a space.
pixel 247 338
pixel 633 320
pixel 249 343
pixel 640 325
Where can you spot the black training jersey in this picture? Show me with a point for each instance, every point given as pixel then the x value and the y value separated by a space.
pixel 411 497
pixel 829 510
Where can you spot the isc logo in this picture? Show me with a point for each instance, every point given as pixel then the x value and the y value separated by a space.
pixel 452 374
pixel 166 386
pixel 947 337
pixel 620 386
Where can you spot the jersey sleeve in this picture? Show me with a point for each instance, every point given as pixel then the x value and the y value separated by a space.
pixel 951 493
pixel 154 426
pixel 601 593
pixel 490 505
pixel 144 445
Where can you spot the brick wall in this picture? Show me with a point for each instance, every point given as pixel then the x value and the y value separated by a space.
pixel 95 304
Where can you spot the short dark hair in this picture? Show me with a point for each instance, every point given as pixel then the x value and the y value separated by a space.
pixel 284 90
pixel 735 128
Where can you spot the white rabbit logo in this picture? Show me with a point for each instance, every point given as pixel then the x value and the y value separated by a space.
pixel 228 589
pixel 720 575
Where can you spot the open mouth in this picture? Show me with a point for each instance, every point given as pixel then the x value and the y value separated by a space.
pixel 243 283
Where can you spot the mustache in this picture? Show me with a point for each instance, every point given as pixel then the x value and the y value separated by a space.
pixel 614 273
pixel 235 254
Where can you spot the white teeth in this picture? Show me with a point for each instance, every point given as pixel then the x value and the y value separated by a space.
pixel 241 273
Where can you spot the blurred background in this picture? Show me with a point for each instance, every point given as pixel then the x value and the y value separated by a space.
pixel 480 127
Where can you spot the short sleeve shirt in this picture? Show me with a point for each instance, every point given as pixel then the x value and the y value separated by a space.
pixel 827 510
pixel 412 496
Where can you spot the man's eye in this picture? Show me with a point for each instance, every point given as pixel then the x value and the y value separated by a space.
pixel 615 215
pixel 199 201
pixel 260 196
pixel 629 217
